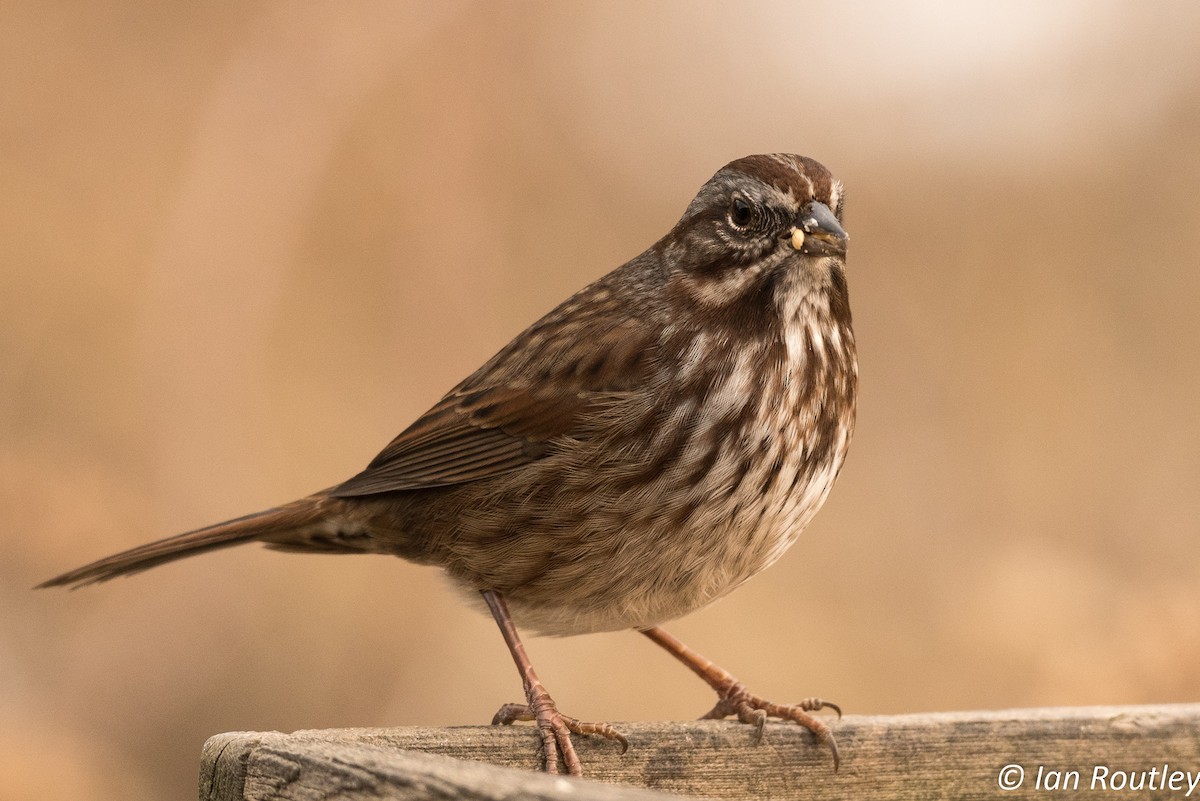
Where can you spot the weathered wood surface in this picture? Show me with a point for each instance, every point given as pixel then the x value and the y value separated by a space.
pixel 926 756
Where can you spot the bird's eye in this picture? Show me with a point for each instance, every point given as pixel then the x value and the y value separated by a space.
pixel 741 213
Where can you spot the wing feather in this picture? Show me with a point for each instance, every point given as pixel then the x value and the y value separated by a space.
pixel 509 413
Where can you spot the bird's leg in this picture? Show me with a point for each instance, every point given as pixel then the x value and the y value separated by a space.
pixel 734 699
pixel 554 727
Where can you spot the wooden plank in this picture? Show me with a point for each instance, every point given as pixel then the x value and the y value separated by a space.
pixel 300 769
pixel 923 756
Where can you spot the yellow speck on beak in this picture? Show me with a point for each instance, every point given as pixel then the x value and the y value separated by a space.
pixel 797 238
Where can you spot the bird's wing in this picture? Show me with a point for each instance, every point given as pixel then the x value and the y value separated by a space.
pixel 512 411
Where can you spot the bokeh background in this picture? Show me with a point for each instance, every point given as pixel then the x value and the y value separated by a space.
pixel 242 245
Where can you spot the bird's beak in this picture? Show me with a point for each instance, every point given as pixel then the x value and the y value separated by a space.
pixel 818 233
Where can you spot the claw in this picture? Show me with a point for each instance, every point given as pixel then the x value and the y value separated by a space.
pixel 510 714
pixel 556 730
pixel 603 729
pixel 828 741
pixel 554 727
pixel 754 710
pixel 734 699
pixel 815 704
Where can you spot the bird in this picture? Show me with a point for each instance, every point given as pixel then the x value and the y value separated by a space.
pixel 654 441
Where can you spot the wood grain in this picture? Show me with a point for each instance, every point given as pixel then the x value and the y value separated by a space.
pixel 922 756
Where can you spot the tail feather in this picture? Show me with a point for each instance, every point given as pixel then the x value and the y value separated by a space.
pixel 264 525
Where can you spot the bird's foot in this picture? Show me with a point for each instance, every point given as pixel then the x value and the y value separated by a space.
pixel 734 699
pixel 556 729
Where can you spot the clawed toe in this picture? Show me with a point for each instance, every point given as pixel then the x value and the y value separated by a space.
pixel 556 730
pixel 554 727
pixel 603 729
pixel 511 713
pixel 735 699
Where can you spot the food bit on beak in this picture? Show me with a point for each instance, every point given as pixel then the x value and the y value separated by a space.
pixel 797 238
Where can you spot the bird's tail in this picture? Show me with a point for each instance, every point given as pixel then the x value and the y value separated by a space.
pixel 281 523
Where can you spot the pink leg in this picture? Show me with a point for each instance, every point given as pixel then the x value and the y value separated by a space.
pixel 554 727
pixel 734 699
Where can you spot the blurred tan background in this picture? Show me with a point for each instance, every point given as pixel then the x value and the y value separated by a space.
pixel 243 245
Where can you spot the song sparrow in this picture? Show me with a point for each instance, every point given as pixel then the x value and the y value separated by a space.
pixel 637 453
